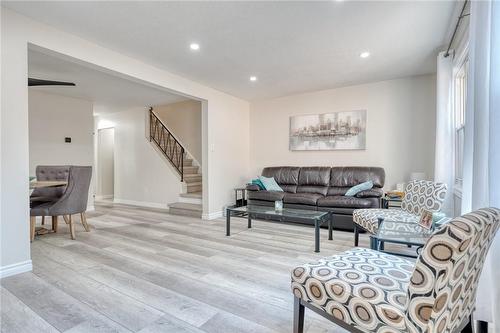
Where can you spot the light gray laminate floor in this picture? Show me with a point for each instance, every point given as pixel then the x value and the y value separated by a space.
pixel 147 271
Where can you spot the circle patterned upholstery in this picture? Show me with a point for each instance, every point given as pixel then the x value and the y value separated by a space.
pixel 378 292
pixel 423 194
pixel 368 218
pixel 361 287
pixel 442 290
pixel 419 195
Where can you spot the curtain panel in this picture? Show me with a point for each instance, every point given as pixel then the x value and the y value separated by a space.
pixel 481 179
pixel 445 131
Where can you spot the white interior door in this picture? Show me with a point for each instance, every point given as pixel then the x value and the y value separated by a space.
pixel 105 163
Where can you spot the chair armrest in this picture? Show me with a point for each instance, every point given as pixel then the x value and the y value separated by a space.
pixel 371 193
pixel 253 187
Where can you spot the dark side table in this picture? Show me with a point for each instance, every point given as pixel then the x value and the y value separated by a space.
pixel 240 196
pixel 391 202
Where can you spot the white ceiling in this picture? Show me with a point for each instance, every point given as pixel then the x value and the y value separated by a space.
pixel 110 93
pixel 291 47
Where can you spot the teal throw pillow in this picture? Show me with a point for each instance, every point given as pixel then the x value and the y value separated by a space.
pixel 258 183
pixel 270 184
pixel 358 188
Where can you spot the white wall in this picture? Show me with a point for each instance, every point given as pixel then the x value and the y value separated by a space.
pixel 400 127
pixel 223 117
pixel 183 119
pixel 105 163
pixel 142 175
pixel 51 119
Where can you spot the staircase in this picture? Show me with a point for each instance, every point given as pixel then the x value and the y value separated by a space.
pixel 190 199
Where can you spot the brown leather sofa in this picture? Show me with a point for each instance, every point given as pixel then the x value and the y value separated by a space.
pixel 322 188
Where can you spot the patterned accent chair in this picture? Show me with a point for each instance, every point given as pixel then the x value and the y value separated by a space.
pixel 419 194
pixel 364 290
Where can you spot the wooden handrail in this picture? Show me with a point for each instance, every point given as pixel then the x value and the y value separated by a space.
pixel 166 141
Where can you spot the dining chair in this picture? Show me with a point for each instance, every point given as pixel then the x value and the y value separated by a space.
pixel 364 290
pixel 73 201
pixel 419 195
pixel 48 194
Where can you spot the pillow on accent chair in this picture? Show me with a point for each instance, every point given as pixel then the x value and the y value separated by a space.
pixel 270 184
pixel 358 188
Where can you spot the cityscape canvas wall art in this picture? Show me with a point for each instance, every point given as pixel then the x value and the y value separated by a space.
pixel 329 131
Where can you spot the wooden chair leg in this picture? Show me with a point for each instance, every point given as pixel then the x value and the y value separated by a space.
pixel 32 227
pixel 43 220
pixel 54 223
pixel 298 316
pixel 83 218
pixel 66 218
pixel 71 227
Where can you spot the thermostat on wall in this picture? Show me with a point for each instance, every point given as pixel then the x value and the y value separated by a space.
pixel 67 139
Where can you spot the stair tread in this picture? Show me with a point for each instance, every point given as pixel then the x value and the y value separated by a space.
pixel 194 184
pixel 186 206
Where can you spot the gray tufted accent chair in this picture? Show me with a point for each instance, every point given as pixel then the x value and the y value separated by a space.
pixel 73 201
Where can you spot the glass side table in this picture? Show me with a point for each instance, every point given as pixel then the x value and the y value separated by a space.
pixel 409 233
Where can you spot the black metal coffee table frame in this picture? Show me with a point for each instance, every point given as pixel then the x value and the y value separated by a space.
pixel 318 221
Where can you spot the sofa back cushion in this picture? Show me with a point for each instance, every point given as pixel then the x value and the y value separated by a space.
pixel 351 176
pixel 287 177
pixel 314 180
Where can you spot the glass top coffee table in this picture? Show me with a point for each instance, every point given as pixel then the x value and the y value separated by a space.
pixel 287 215
pixel 409 233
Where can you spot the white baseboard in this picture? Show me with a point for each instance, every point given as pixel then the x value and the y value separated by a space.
pixel 90 208
pixel 18 268
pixel 140 203
pixel 212 216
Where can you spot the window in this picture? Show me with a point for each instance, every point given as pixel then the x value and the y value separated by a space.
pixel 460 100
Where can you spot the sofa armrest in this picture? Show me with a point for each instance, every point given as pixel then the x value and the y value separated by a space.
pixel 375 192
pixel 252 187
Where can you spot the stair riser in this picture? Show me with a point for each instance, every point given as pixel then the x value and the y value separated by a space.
pixel 194 188
pixel 192 179
pixel 184 212
pixel 190 170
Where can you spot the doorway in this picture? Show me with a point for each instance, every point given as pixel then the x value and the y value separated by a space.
pixel 105 164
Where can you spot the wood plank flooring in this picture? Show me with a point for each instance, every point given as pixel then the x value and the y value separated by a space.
pixel 141 270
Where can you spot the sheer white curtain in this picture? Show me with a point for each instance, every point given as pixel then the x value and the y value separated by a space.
pixel 481 179
pixel 445 133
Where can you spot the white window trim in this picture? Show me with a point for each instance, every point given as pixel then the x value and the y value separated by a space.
pixel 459 57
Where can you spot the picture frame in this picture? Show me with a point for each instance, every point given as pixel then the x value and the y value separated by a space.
pixel 425 220
pixel 340 130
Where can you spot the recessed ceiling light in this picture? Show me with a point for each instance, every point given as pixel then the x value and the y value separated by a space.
pixel 253 78
pixel 364 54
pixel 194 46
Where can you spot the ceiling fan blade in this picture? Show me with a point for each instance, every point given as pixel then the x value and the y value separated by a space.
pixel 39 82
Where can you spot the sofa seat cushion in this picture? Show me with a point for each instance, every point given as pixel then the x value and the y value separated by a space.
pixel 265 195
pixel 361 287
pixel 368 218
pixel 302 198
pixel 345 202
pixel 371 193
